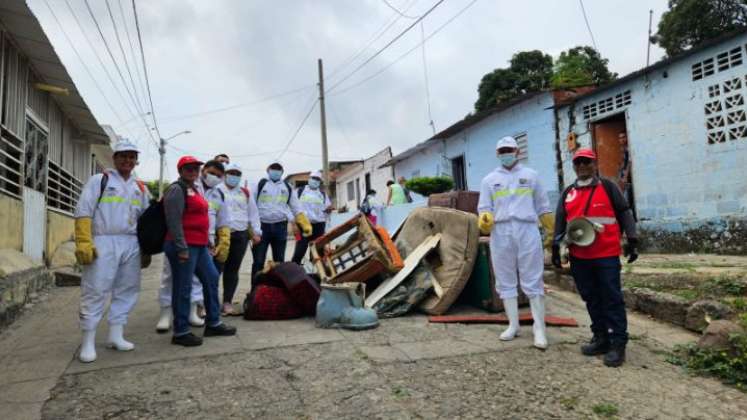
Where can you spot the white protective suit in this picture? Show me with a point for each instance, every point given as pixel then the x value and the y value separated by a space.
pixel 313 203
pixel 273 202
pixel 219 216
pixel 516 199
pixel 116 269
pixel 243 209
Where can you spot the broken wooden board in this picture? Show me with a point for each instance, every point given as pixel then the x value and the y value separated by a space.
pixel 524 318
pixel 411 262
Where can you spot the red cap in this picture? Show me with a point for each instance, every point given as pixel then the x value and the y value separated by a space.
pixel 186 160
pixel 587 153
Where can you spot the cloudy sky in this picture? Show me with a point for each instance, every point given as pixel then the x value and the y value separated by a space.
pixel 241 74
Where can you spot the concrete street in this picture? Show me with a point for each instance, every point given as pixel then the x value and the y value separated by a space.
pixel 407 368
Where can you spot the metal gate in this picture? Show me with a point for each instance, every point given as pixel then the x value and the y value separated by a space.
pixel 34 224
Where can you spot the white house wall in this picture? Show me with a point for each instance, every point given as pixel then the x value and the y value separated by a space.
pixel 379 178
pixel 682 184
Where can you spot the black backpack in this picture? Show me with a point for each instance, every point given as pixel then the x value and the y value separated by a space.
pixel 261 185
pixel 151 225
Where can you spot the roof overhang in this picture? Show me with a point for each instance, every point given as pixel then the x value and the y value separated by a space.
pixel 28 36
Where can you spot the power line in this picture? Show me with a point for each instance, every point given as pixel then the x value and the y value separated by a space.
pixel 425 77
pixel 98 58
pixel 376 36
pixel 400 35
pixel 145 69
pixel 135 63
pixel 298 130
pixel 124 56
pixel 116 66
pixel 586 19
pixel 389 5
pixel 408 52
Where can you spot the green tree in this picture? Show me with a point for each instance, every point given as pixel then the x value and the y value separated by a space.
pixel 529 71
pixel 581 66
pixel 688 23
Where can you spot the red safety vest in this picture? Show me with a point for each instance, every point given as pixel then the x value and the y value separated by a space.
pixel 607 242
pixel 195 220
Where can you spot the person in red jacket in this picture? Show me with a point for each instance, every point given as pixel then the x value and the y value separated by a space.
pixel 596 268
pixel 186 248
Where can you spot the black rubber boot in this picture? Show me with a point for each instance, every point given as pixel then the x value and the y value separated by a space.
pixel 599 344
pixel 219 330
pixel 187 340
pixel 615 357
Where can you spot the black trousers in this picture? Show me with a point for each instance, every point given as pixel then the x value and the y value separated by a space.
pixel 274 235
pixel 317 231
pixel 230 269
pixel 598 283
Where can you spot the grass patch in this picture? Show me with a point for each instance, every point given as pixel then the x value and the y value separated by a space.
pixel 728 289
pixel 728 366
pixel 607 410
pixel 569 403
pixel 674 265
pixel 400 392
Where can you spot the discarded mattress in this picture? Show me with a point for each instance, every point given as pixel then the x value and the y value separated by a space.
pixel 457 251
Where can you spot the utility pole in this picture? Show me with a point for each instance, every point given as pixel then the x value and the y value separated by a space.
pixel 325 155
pixel 648 46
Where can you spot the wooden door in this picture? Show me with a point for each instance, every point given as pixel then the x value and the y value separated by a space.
pixel 608 149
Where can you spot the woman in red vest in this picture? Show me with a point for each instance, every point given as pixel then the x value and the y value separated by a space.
pixel 596 267
pixel 186 247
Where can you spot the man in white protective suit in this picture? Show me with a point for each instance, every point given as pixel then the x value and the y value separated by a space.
pixel 106 246
pixel 219 232
pixel 512 200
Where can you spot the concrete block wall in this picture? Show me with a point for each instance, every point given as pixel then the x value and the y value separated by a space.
pixel 11 223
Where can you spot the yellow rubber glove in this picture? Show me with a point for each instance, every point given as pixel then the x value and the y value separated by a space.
pixel 224 243
pixel 303 222
pixel 85 252
pixel 547 221
pixel 485 222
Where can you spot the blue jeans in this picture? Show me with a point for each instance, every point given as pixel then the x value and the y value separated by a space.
pixel 274 235
pixel 200 263
pixel 598 283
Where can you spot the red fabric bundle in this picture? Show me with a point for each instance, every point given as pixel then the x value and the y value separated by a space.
pixel 267 302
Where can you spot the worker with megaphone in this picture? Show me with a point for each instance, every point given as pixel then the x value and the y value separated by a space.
pixel 512 201
pixel 592 213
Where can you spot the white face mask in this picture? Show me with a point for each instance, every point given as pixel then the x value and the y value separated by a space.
pixel 584 182
pixel 211 180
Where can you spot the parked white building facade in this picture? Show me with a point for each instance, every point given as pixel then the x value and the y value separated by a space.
pixel 353 181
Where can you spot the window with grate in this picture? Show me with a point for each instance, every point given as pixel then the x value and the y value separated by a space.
pixel 523 143
pixel 725 114
pixel 607 105
pixel 721 62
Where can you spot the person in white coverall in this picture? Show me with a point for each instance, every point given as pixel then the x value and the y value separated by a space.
pixel 209 185
pixel 106 246
pixel 512 200
pixel 316 205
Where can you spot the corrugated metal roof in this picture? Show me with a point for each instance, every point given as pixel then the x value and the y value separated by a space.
pixel 29 37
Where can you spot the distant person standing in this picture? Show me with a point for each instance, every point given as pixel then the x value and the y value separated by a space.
pixel 626 184
pixel 371 207
pixel 395 194
pixel 316 205
pixel 403 183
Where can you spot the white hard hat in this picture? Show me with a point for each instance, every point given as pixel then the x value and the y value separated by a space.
pixel 125 146
pixel 507 141
pixel 316 174
pixel 233 167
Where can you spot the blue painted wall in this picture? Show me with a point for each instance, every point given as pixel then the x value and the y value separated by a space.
pixel 533 117
pixel 679 179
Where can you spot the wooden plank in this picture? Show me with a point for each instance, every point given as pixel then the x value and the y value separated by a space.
pixel 525 318
pixel 411 262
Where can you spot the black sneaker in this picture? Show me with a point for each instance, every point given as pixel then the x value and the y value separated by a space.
pixel 615 357
pixel 187 340
pixel 220 330
pixel 598 345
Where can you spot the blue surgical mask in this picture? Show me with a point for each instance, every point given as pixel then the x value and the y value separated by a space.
pixel 314 184
pixel 233 180
pixel 275 174
pixel 507 159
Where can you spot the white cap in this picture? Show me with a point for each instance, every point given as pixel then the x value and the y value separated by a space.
pixel 507 141
pixel 316 174
pixel 125 146
pixel 233 167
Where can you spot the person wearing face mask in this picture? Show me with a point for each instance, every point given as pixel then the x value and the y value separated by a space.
pixel 277 206
pixel 187 248
pixel 106 247
pixel 316 205
pixel 218 242
pixel 596 268
pixel 245 227
pixel 512 201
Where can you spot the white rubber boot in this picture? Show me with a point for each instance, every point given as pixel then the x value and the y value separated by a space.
pixel 537 304
pixel 116 339
pixel 164 320
pixel 511 306
pixel 194 319
pixel 88 347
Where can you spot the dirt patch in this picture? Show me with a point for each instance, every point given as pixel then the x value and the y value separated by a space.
pixel 720 236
